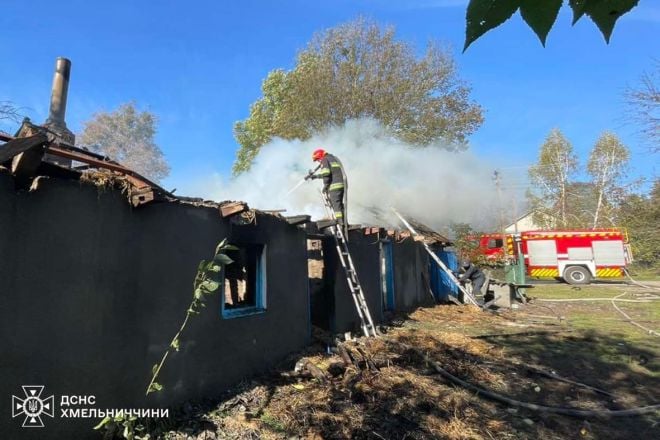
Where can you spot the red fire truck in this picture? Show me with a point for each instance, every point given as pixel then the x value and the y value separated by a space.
pixel 577 255
pixel 491 245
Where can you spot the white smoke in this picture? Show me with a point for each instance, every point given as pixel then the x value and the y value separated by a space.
pixel 432 185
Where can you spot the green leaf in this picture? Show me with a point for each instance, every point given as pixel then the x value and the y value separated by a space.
pixel 484 15
pixel 201 266
pixel 155 386
pixel 540 15
pixel 230 247
pixel 605 13
pixel 175 344
pixel 222 259
pixel 211 285
pixel 220 245
pixel 103 422
pixel 214 268
pixel 199 292
pixel 154 369
pixel 578 8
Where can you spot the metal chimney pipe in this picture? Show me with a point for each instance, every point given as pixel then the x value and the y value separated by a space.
pixel 59 94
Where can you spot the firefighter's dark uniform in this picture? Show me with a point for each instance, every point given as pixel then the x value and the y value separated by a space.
pixel 475 275
pixel 334 183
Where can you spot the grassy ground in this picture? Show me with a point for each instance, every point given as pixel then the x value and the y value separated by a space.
pixel 640 272
pixel 393 393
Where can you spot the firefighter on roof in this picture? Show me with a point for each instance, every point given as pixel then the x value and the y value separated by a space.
pixel 334 181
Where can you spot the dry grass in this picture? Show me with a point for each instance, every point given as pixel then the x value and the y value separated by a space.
pixel 404 398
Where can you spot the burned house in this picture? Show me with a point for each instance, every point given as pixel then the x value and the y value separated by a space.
pixel 96 276
pixel 395 271
pixel 94 289
pixel 96 272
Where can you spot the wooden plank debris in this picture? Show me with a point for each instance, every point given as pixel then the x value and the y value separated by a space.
pixel 298 219
pixel 232 208
pixel 17 146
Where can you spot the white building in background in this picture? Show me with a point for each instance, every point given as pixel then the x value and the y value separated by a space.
pixel 524 223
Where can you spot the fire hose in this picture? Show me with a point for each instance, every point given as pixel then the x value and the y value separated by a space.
pixel 570 412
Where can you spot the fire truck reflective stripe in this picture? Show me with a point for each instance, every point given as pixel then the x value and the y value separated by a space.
pixel 609 272
pixel 544 272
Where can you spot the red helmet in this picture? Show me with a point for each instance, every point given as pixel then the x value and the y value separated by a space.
pixel 318 154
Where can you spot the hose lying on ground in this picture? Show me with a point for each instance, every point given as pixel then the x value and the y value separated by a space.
pixel 571 412
pixel 637 283
pixel 613 300
pixel 648 330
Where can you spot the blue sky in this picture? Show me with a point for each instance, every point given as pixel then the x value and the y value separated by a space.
pixel 199 65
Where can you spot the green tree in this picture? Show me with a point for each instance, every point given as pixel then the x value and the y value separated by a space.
pixel 540 15
pixel 466 242
pixel 550 178
pixel 360 70
pixel 644 106
pixel 581 203
pixel 640 215
pixel 127 136
pixel 607 165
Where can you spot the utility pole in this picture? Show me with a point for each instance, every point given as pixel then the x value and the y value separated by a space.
pixel 496 177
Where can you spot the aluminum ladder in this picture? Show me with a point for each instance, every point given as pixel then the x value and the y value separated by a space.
pixel 466 295
pixel 366 323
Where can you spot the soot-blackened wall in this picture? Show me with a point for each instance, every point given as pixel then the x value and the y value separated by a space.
pixel 411 281
pixel 342 313
pixel 411 275
pixel 92 291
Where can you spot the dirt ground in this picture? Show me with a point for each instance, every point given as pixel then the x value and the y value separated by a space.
pixel 390 391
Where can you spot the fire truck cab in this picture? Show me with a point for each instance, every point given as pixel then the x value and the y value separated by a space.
pixel 577 256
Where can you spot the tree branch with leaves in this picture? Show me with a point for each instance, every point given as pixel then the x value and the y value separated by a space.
pixel 206 283
pixel 360 69
pixel 540 15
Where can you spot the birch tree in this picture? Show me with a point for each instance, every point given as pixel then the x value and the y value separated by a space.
pixel 607 165
pixel 551 177
pixel 127 136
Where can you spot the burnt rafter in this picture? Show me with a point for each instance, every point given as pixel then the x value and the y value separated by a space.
pixel 16 146
pixel 145 189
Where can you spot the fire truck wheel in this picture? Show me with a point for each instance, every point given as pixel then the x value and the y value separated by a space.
pixel 577 275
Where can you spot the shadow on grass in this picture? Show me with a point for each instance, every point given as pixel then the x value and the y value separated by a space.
pixel 597 359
